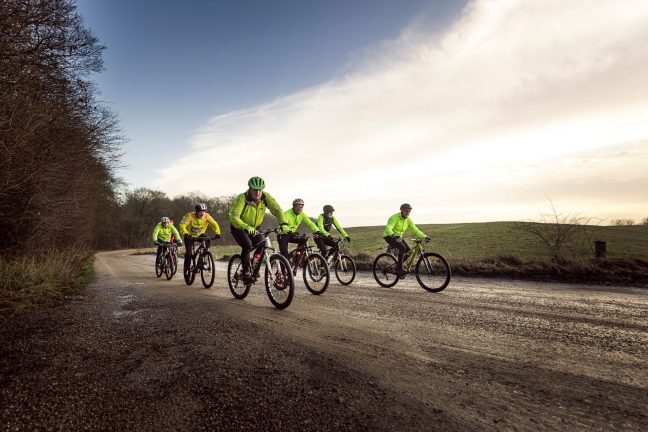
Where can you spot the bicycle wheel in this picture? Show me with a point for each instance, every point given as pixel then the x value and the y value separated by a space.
pixel 168 269
pixel 345 270
pixel 207 270
pixel 158 266
pixel 174 262
pixel 279 281
pixel 316 274
pixel 384 270
pixel 189 273
pixel 433 272
pixel 235 277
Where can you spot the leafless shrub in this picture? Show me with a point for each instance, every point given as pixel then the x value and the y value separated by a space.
pixel 622 222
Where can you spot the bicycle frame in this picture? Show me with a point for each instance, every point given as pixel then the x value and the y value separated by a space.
pixel 305 250
pixel 265 256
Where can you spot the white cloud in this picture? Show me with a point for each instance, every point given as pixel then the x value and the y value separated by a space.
pixel 439 121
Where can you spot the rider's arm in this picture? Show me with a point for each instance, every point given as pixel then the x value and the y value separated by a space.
pixel 389 229
pixel 274 208
pixel 175 233
pixel 213 224
pixel 156 231
pixel 309 223
pixel 339 228
pixel 417 232
pixel 235 213
pixel 183 224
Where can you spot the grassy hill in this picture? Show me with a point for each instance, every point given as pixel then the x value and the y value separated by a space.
pixel 476 241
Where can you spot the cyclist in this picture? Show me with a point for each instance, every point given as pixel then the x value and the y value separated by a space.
pixel 294 217
pixel 165 232
pixel 194 225
pixel 246 215
pixel 325 222
pixel 396 227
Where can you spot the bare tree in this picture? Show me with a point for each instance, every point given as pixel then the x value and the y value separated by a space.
pixel 558 231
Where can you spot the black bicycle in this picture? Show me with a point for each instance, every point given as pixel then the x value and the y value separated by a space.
pixel 202 261
pixel 278 277
pixel 167 261
pixel 316 271
pixel 342 264
pixel 432 270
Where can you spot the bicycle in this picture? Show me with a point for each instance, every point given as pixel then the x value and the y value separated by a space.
pixel 279 281
pixel 202 261
pixel 344 266
pixel 432 269
pixel 166 262
pixel 316 270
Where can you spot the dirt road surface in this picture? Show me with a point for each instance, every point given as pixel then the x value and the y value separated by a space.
pixel 141 353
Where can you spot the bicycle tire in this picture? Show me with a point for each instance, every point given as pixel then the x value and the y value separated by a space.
pixel 435 274
pixel 208 265
pixel 168 269
pixel 384 267
pixel 189 274
pixel 316 274
pixel 235 277
pixel 174 262
pixel 281 289
pixel 345 270
pixel 158 268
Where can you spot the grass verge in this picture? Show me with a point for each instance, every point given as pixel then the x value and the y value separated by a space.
pixel 45 279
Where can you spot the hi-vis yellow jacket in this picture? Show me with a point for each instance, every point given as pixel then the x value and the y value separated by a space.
pixel 397 225
pixel 194 226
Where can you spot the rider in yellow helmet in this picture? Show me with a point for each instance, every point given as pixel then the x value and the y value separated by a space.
pixel 194 225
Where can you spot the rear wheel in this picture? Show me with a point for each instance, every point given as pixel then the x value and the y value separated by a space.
pixel 384 270
pixel 279 281
pixel 433 272
pixel 174 261
pixel 207 270
pixel 235 277
pixel 158 265
pixel 316 274
pixel 345 270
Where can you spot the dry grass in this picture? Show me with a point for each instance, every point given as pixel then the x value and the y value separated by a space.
pixel 43 279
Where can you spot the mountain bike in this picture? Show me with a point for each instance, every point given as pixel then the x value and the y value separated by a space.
pixel 432 270
pixel 167 261
pixel 202 261
pixel 316 270
pixel 278 277
pixel 344 266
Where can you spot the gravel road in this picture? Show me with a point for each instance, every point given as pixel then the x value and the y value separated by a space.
pixel 141 353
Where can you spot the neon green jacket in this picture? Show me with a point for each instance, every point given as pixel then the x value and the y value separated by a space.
pixel 164 234
pixel 294 220
pixel 245 214
pixel 194 226
pixel 323 230
pixel 397 225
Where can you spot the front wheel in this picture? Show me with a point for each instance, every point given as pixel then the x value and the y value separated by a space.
pixel 384 270
pixel 168 267
pixel 345 270
pixel 235 277
pixel 279 281
pixel 189 273
pixel 207 270
pixel 158 265
pixel 174 262
pixel 433 272
pixel 316 274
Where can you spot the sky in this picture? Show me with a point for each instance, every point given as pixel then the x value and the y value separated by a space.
pixel 470 110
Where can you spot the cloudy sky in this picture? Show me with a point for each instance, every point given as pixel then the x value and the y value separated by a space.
pixel 471 112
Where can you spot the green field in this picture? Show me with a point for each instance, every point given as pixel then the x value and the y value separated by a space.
pixel 476 241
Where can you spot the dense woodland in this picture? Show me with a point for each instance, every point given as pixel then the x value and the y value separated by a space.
pixel 60 146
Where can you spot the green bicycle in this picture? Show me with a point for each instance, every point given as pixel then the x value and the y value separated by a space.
pixel 432 269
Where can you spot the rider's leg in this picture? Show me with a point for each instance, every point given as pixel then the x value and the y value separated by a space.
pixel 283 240
pixel 319 241
pixel 401 246
pixel 158 254
pixel 188 241
pixel 243 240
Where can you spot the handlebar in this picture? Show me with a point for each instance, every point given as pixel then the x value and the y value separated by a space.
pixel 423 240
